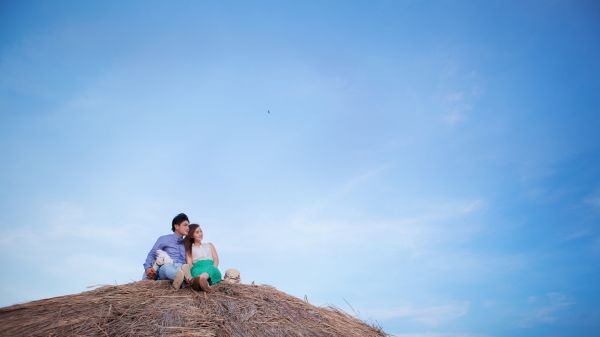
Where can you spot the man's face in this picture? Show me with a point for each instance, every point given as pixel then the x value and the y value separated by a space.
pixel 183 228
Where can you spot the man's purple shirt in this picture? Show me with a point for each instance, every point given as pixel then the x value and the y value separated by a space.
pixel 172 244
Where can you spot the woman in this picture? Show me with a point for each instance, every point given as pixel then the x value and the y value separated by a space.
pixel 203 258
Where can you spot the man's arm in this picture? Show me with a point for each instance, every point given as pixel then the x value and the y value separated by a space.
pixel 151 273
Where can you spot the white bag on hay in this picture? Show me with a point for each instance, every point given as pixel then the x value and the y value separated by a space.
pixel 161 258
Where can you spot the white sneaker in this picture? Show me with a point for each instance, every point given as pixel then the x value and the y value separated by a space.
pixel 178 280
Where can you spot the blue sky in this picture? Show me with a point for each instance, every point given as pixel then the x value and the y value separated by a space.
pixel 433 164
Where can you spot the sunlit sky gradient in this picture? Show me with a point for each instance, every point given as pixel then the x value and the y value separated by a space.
pixel 436 165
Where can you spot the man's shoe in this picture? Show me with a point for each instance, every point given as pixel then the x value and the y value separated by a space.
pixel 187 273
pixel 178 280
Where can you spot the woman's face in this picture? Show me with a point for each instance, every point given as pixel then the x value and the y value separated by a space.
pixel 198 235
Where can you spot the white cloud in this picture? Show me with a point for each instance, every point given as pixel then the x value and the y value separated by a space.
pixel 545 309
pixel 460 90
pixel 345 188
pixel 435 224
pixel 578 234
pixel 593 201
pixel 115 235
pixel 95 266
pixel 67 221
pixel 321 227
pixel 456 113
pixel 429 315
pixel 429 226
pixel 455 97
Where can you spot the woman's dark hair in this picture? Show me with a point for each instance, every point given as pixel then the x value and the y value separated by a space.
pixel 189 239
pixel 179 218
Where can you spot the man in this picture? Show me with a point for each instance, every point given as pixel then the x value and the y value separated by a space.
pixel 172 244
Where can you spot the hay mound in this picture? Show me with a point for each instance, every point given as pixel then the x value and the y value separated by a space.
pixel 151 308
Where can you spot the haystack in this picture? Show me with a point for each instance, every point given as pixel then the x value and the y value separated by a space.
pixel 151 308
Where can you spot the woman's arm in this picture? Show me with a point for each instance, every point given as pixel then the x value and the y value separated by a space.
pixel 188 259
pixel 214 255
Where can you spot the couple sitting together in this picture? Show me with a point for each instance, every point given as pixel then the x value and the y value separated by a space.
pixel 182 256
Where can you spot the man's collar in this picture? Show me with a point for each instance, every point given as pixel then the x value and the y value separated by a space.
pixel 178 237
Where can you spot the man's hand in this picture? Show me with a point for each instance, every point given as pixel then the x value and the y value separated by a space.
pixel 151 273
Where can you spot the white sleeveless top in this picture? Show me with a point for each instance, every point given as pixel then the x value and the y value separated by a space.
pixel 201 253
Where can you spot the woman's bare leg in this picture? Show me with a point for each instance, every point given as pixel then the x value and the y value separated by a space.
pixel 201 283
pixel 204 282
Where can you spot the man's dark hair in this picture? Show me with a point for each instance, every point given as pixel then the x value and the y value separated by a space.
pixel 179 218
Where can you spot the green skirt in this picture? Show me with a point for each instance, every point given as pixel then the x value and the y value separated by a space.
pixel 206 266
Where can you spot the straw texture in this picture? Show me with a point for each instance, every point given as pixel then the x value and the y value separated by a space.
pixel 152 308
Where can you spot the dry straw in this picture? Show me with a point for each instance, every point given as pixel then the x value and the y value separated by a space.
pixel 152 308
